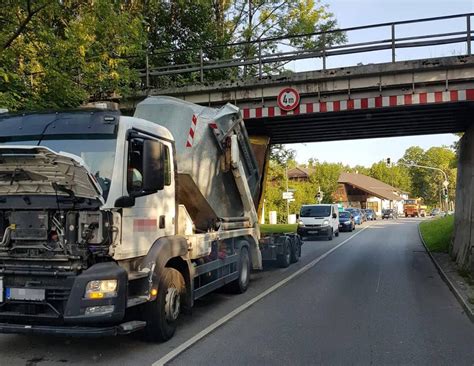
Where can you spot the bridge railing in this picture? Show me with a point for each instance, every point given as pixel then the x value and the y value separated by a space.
pixel 266 56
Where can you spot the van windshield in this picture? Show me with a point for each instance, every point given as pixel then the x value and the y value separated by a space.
pixel 315 211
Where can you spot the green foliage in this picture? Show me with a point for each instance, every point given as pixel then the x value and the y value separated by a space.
pixel 426 183
pixel 58 54
pixel 396 176
pixel 437 233
pixel 281 154
pixel 61 53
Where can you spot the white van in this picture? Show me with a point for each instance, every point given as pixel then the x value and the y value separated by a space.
pixel 319 220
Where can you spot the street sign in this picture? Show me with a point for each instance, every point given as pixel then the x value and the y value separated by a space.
pixel 319 196
pixel 288 99
pixel 287 195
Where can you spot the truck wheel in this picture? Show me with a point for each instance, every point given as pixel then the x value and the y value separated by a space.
pixel 337 233
pixel 284 259
pixel 240 285
pixel 162 313
pixel 295 252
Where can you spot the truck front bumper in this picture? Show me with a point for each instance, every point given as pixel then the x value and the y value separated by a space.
pixel 72 331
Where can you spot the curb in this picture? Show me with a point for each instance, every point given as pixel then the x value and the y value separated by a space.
pixel 444 276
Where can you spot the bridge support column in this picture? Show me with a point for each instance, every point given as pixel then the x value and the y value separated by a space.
pixel 462 249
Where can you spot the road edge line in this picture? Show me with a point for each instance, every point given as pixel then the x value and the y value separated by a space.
pixel 447 280
pixel 210 328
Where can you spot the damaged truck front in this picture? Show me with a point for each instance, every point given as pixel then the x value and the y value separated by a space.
pixel 55 253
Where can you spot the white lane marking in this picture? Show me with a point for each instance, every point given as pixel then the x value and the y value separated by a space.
pixel 378 282
pixel 184 346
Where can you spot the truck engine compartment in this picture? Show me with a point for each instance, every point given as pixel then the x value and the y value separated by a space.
pixel 69 235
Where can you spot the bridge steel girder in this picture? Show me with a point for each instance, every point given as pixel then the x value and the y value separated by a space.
pixel 377 100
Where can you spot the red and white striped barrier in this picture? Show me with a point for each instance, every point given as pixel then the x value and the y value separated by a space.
pixel 363 103
pixel 192 130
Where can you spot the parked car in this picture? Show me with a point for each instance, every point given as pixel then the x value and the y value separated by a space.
pixel 435 212
pixel 319 220
pixel 389 214
pixel 356 214
pixel 346 221
pixel 370 214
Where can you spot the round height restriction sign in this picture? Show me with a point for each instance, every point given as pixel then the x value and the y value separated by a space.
pixel 288 99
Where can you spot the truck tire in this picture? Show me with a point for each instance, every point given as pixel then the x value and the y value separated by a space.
pixel 337 233
pixel 284 259
pixel 240 285
pixel 330 234
pixel 162 313
pixel 295 252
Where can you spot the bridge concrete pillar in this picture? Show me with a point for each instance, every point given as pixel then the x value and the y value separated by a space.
pixel 462 249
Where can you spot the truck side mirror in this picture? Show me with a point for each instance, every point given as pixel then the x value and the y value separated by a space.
pixel 153 166
pixel 334 215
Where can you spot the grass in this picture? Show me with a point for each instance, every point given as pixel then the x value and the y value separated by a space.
pixel 278 228
pixel 437 233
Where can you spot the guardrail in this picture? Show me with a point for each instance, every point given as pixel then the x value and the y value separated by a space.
pixel 202 63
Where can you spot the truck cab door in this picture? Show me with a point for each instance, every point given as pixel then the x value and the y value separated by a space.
pixel 149 182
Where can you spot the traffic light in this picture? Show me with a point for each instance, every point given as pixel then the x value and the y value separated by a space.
pixel 445 192
pixel 388 161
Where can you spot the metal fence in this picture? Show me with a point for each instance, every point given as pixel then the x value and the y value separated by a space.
pixel 261 58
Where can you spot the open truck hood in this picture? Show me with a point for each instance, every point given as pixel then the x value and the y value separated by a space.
pixel 38 170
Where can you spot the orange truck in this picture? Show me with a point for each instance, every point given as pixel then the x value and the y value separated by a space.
pixel 411 207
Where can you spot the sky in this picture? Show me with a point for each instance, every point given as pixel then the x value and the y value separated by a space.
pixel 363 12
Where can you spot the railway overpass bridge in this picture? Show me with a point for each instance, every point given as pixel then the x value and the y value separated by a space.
pixel 384 100
pixel 394 98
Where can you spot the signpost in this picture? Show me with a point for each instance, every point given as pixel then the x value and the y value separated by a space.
pixel 319 195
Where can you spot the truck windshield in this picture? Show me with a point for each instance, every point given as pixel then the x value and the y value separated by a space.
pixel 98 154
pixel 316 211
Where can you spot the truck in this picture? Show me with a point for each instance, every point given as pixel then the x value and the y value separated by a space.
pixel 411 207
pixel 111 224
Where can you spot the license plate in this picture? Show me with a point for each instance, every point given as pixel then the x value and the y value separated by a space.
pixel 29 294
pixel 313 232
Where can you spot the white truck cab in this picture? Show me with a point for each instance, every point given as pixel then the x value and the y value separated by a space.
pixel 319 220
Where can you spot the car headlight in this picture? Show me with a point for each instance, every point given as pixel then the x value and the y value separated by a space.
pixel 300 223
pixel 101 289
pixel 325 222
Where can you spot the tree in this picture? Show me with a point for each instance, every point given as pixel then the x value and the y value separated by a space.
pixel 58 54
pixel 426 183
pixel 281 154
pixel 396 176
pixel 254 20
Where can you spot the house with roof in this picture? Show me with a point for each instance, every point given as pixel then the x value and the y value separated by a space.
pixel 300 174
pixel 358 190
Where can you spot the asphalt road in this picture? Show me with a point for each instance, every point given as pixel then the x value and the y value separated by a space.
pixel 377 299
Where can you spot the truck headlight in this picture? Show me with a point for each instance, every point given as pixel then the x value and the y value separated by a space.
pixel 101 289
pixel 300 223
pixel 325 222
